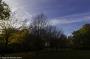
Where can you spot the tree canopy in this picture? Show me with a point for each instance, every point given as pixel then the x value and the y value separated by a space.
pixel 82 37
pixel 4 11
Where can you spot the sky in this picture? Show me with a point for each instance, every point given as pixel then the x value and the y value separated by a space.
pixel 68 15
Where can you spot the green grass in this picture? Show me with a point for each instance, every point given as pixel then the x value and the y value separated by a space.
pixel 52 54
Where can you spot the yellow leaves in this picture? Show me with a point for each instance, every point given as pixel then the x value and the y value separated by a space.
pixel 18 37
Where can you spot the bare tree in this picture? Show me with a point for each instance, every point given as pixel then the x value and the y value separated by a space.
pixel 37 29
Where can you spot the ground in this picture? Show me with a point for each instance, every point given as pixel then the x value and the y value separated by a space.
pixel 52 54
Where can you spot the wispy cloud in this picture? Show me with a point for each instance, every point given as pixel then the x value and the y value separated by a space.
pixel 85 17
pixel 56 22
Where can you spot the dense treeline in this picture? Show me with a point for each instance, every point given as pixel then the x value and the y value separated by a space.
pixel 39 35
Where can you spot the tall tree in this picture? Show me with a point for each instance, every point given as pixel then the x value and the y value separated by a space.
pixel 81 37
pixel 4 19
pixel 38 29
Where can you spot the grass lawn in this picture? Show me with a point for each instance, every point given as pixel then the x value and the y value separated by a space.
pixel 52 54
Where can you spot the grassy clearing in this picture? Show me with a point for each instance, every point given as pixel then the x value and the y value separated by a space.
pixel 52 54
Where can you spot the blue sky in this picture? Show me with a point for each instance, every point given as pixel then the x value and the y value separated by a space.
pixel 68 15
